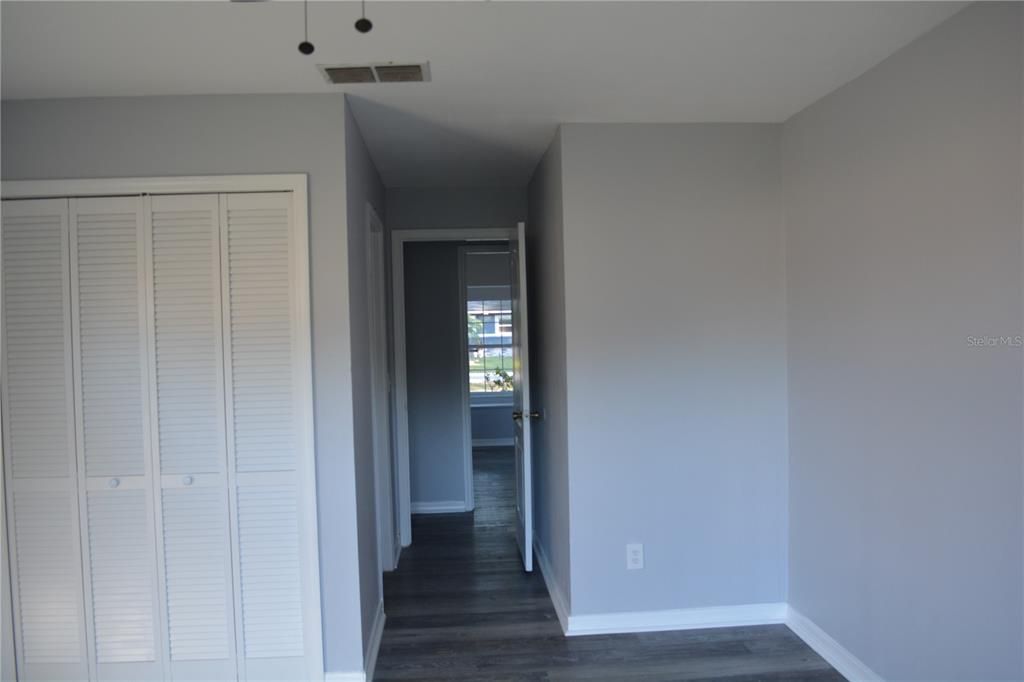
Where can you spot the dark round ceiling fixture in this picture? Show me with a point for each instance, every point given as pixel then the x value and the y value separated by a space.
pixel 305 47
pixel 364 25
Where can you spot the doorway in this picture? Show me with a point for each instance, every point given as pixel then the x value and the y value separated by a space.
pixel 490 375
pixel 458 351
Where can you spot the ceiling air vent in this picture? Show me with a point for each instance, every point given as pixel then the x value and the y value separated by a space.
pixel 400 73
pixel 384 72
pixel 349 74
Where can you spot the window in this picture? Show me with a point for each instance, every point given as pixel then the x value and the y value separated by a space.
pixel 487 276
pixel 490 346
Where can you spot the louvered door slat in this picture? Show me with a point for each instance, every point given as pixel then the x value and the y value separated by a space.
pixel 107 239
pixel 39 444
pixel 271 581
pixel 198 575
pixel 277 615
pixel 186 302
pixel 261 334
pixel 36 346
pixel 109 314
pixel 123 576
pixel 49 578
pixel 187 370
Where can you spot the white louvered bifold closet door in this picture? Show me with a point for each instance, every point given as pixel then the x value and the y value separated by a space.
pixel 269 453
pixel 188 373
pixel 157 425
pixel 39 443
pixel 109 315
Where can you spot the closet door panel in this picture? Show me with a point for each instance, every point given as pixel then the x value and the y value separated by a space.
pixel 271 573
pixel 188 375
pixel 39 442
pixel 198 586
pixel 49 618
pixel 109 314
pixel 275 534
pixel 109 335
pixel 259 271
pixel 123 579
pixel 186 304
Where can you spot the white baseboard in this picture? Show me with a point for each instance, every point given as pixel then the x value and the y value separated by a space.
pixel 369 656
pixel 676 619
pixel 493 442
pixel 442 507
pixel 558 599
pixel 652 621
pixel 373 646
pixel 848 665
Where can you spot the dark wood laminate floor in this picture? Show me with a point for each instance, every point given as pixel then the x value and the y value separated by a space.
pixel 460 607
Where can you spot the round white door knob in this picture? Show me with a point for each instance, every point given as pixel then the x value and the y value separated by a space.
pixel 187 480
pixel 114 483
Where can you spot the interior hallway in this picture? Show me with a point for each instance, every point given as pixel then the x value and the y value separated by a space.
pixel 460 607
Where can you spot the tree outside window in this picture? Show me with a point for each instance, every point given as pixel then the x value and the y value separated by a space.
pixel 489 325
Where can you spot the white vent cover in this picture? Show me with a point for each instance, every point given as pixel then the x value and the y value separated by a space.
pixel 383 72
pixel 340 75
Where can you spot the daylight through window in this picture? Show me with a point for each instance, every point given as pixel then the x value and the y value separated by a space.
pixel 490 346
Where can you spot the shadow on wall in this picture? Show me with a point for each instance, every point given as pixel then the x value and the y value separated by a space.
pixel 481 162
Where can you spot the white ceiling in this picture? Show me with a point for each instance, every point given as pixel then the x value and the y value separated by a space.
pixel 504 73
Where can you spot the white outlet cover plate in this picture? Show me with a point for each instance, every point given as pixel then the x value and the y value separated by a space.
pixel 634 556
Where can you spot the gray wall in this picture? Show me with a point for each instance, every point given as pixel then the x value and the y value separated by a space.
pixel 676 366
pixel 89 138
pixel 490 267
pixel 548 386
pixel 435 372
pixel 904 240
pixel 446 208
pixel 493 422
pixel 363 185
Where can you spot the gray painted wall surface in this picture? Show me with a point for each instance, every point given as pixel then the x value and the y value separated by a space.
pixel 675 326
pixel 548 387
pixel 416 208
pixel 492 422
pixel 363 185
pixel 435 371
pixel 492 269
pixel 904 240
pixel 117 137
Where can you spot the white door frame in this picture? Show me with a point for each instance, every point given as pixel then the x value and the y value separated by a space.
pixel 399 238
pixel 192 184
pixel 8 671
pixel 388 541
pixel 297 184
pixel 521 400
pixel 468 494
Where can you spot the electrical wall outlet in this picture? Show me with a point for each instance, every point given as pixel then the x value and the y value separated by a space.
pixel 634 556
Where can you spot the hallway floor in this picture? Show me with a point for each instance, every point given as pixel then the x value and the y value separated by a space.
pixel 460 607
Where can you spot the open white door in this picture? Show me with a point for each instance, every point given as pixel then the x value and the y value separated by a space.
pixel 521 413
